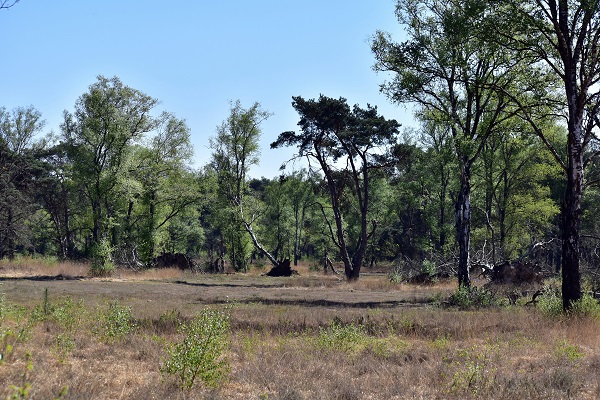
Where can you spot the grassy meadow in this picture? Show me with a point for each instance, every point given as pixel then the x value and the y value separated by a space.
pixel 168 334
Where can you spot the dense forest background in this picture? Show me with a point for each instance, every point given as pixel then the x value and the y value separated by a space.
pixel 117 184
pixel 481 182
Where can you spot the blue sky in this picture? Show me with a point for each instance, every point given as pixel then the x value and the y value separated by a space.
pixel 196 56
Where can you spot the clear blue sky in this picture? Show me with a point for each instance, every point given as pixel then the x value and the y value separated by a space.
pixel 196 56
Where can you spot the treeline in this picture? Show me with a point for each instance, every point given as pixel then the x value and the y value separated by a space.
pixel 116 187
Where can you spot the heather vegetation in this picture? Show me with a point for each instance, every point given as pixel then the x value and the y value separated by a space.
pixel 220 337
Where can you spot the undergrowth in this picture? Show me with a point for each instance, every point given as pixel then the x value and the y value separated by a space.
pixel 466 297
pixel 201 353
pixel 467 351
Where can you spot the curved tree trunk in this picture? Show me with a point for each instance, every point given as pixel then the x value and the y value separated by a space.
pixel 257 244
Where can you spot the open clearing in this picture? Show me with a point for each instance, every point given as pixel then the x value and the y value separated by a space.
pixel 311 336
pixel 188 293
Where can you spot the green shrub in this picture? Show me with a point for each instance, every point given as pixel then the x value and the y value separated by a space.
pixel 115 322
pixel 14 327
pixel 567 351
pixel 587 306
pixel 429 267
pixel 472 297
pixel 550 302
pixel 474 368
pixel 102 262
pixel 342 337
pixel 68 315
pixel 396 275
pixel 201 354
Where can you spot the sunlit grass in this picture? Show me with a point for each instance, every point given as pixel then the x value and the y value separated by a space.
pixel 297 350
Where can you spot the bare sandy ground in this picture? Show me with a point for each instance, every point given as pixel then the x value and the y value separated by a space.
pixel 187 293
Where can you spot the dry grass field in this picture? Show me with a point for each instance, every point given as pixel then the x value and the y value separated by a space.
pixel 312 336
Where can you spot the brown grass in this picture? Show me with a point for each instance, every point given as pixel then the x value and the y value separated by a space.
pixel 300 350
pixel 28 267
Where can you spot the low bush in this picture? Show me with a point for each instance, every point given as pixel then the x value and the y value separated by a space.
pixel 341 337
pixel 201 354
pixel 472 297
pixel 550 303
pixel 102 263
pixel 115 322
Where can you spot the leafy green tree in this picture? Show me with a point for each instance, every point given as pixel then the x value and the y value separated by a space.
pixel 517 209
pixel 347 144
pixel 450 73
pixel 107 120
pixel 435 169
pixel 277 218
pixel 58 197
pixel 19 169
pixel 302 197
pixel 211 221
pixel 561 39
pixel 235 150
pixel 403 208
pixel 167 188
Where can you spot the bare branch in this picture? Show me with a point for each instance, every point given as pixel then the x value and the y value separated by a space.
pixel 7 3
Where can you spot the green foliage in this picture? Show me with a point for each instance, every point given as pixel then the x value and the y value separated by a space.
pixel 14 328
pixel 395 275
pixel 472 297
pixel 201 354
pixel 67 316
pixel 429 267
pixel 587 306
pixel 334 134
pixel 550 303
pixel 342 337
pixel 10 334
pixel 235 150
pixel 474 368
pixel 22 391
pixel 115 322
pixel 101 262
pixel 18 183
pixel 441 342
pixel 567 351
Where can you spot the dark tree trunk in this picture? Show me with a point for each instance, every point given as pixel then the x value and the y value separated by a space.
pixel 442 215
pixel 68 251
pixel 571 213
pixel 577 44
pixel 151 224
pixel 10 235
pixel 96 215
pixel 463 226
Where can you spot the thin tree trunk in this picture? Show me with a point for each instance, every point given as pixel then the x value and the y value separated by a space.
pixel 10 234
pixel 442 215
pixel 96 211
pixel 257 244
pixel 68 238
pixel 151 224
